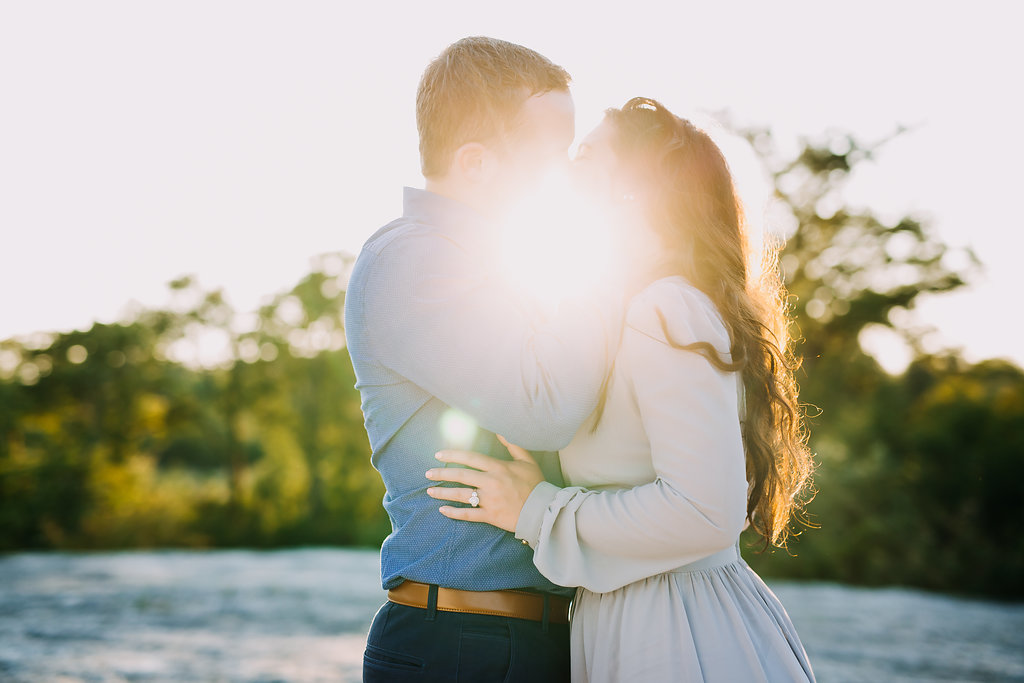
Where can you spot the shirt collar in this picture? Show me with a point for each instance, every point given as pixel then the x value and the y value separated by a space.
pixel 459 221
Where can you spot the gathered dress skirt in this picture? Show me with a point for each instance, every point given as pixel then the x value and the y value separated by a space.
pixel 711 621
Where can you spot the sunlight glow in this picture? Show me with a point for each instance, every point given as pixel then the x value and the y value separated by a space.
pixel 555 244
pixel 887 346
pixel 458 430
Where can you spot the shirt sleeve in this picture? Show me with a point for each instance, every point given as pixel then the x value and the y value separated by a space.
pixel 463 335
pixel 696 506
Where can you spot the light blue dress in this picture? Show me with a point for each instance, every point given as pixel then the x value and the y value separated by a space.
pixel 649 528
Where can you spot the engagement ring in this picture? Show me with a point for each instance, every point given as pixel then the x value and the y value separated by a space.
pixel 474 499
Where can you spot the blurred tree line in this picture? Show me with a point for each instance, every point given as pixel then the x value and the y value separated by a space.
pixel 125 435
pixel 197 425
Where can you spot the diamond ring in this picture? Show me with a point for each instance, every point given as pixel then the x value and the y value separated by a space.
pixel 474 499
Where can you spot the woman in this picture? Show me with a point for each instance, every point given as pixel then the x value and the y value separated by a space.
pixel 697 434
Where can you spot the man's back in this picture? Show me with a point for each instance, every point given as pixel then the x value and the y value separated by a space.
pixel 404 421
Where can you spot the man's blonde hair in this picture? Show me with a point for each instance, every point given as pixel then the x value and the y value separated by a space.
pixel 473 92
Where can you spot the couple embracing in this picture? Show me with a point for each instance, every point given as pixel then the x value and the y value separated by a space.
pixel 624 442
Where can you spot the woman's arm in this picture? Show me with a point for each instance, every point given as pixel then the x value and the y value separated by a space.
pixel 696 506
pixel 603 540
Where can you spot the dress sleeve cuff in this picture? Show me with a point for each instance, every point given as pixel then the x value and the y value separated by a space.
pixel 532 514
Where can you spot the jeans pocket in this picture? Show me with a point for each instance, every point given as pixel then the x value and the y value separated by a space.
pixel 389 661
pixel 485 654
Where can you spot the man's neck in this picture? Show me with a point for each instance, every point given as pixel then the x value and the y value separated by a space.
pixel 458 193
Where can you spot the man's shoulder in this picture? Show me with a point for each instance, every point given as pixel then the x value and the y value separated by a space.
pixel 386 235
pixel 397 258
pixel 404 240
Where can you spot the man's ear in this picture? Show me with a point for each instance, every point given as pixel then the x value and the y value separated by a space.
pixel 474 162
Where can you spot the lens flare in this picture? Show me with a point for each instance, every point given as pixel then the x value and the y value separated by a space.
pixel 458 430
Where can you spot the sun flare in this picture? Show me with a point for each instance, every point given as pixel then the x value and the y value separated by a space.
pixel 555 244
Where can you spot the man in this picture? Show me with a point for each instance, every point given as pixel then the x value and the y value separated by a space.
pixel 435 336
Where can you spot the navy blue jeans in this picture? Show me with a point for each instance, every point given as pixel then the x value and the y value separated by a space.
pixel 406 644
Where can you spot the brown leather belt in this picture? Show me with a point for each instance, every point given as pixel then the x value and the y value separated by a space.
pixel 505 603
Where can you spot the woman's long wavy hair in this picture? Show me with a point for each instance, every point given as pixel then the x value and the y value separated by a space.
pixel 691 201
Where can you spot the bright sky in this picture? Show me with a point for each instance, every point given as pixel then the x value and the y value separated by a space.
pixel 235 140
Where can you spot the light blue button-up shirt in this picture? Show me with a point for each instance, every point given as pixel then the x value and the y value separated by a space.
pixel 431 326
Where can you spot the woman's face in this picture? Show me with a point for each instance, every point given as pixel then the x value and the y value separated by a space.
pixel 601 177
pixel 595 168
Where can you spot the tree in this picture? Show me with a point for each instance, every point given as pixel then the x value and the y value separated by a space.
pixel 844 267
pixel 913 468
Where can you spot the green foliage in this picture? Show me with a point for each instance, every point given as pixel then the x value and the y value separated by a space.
pixel 122 436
